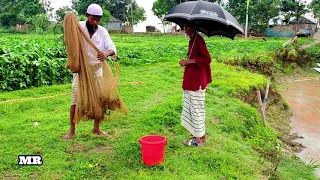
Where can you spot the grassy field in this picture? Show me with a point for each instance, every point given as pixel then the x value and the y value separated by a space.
pixel 238 145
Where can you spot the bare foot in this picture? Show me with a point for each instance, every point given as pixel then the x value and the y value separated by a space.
pixel 100 132
pixel 69 135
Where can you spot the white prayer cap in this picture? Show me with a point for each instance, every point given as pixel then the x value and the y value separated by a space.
pixel 95 10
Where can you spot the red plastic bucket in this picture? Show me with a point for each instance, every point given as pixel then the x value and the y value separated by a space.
pixel 153 149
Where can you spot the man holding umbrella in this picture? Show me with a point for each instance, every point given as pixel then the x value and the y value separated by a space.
pixel 210 19
pixel 197 75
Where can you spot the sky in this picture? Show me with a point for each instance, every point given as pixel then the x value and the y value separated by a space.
pixel 151 20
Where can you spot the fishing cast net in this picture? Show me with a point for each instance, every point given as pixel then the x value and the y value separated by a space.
pixel 96 94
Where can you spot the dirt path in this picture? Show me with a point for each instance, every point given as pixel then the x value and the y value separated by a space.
pixel 303 96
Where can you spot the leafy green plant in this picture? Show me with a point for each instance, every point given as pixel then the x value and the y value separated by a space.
pixel 31 63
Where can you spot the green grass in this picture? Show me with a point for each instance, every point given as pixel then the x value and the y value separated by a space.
pixel 302 171
pixel 238 146
pixel 155 107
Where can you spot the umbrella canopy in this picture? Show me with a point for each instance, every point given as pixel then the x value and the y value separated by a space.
pixel 211 18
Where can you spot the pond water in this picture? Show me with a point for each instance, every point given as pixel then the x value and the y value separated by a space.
pixel 303 96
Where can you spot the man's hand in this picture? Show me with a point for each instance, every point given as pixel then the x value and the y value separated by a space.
pixel 102 56
pixel 184 62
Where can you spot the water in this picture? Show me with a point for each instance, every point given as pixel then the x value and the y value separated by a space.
pixel 303 96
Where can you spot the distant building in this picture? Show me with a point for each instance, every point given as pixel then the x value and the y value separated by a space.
pixel 304 23
pixel 278 28
pixel 115 24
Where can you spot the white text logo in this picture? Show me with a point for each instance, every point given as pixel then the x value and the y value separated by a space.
pixel 209 13
pixel 29 160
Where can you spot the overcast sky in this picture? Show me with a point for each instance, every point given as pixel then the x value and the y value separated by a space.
pixel 146 4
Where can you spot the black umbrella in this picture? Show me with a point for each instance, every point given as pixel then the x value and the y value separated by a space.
pixel 211 18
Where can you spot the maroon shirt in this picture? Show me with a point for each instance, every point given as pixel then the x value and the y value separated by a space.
pixel 198 74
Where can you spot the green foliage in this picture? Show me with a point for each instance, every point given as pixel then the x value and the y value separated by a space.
pixel 12 13
pixel 105 18
pixel 81 5
pixel 291 57
pixel 137 15
pixel 31 63
pixel 315 8
pixel 46 5
pixel 259 13
pixel 162 7
pixel 237 147
pixel 120 9
pixel 301 170
pixel 82 18
pixel 273 59
pixel 61 12
pixel 314 51
pixel 293 8
pixel 263 64
pixel 40 23
pixel 136 50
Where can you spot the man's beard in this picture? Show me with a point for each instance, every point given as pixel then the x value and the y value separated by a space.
pixel 91 29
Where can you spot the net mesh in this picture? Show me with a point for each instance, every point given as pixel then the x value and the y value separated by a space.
pixel 95 94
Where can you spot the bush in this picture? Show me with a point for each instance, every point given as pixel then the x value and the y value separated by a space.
pixel 31 63
pixel 292 57
pixel 263 64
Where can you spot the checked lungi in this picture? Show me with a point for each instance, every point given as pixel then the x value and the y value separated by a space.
pixel 193 112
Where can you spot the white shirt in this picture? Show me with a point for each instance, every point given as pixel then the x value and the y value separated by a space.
pixel 103 42
pixel 101 39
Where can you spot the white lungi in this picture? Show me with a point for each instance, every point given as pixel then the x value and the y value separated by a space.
pixel 193 112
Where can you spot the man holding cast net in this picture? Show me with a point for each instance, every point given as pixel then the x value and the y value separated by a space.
pixel 94 88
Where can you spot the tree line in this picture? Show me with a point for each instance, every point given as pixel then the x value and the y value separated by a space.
pixel 37 13
pixel 260 11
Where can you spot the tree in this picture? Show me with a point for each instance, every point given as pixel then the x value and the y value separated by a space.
pixel 81 5
pixel 61 12
pixel 162 7
pixel 293 8
pixel 238 9
pixel 40 22
pixel 46 5
pixel 315 7
pixel 106 17
pixel 123 9
pixel 14 12
pixel 137 15
pixel 120 9
pixel 260 12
